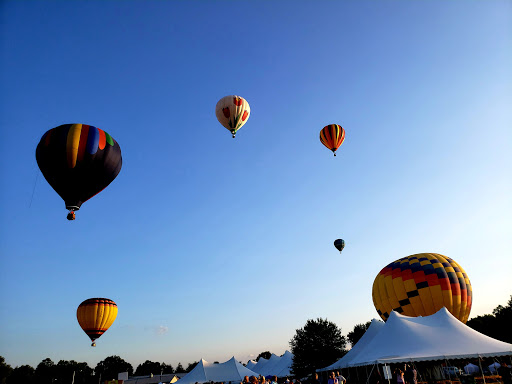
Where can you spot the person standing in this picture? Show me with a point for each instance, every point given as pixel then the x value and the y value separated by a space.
pixel 341 379
pixel 332 379
pixel 505 372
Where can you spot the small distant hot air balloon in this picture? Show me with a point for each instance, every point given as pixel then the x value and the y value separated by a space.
pixel 78 161
pixel 332 136
pixel 95 316
pixel 232 112
pixel 339 244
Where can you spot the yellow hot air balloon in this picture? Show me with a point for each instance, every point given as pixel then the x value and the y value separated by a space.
pixel 95 316
pixel 420 285
pixel 232 112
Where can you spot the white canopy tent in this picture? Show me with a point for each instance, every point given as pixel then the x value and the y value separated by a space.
pixel 373 329
pixel 276 365
pixel 268 368
pixel 251 364
pixel 283 367
pixel 259 365
pixel 440 336
pixel 204 371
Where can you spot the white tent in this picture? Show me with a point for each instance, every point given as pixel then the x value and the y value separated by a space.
pixel 204 371
pixel 250 364
pixel 283 367
pixel 436 337
pixel 259 365
pixel 268 368
pixel 373 329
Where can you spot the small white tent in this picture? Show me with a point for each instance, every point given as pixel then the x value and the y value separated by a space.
pixel 373 329
pixel 250 364
pixel 283 367
pixel 259 365
pixel 204 371
pixel 268 368
pixel 275 366
pixel 439 336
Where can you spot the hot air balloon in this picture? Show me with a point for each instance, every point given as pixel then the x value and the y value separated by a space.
pixel 332 136
pixel 95 316
pixel 232 112
pixel 420 285
pixel 339 244
pixel 78 161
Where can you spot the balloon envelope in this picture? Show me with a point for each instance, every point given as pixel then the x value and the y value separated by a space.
pixel 95 316
pixel 232 112
pixel 332 136
pixel 339 244
pixel 78 161
pixel 420 285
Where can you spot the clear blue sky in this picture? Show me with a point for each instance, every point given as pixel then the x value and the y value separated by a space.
pixel 214 247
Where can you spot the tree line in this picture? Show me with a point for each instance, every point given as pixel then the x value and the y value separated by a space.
pixel 318 344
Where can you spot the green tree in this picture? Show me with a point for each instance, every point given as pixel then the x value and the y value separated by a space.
pixel 45 371
pixel 496 325
pixel 66 370
pixel 191 366
pixel 180 369
pixel 23 374
pixel 167 368
pixel 317 345
pixel 147 368
pixel 5 370
pixel 265 355
pixel 358 332
pixel 111 366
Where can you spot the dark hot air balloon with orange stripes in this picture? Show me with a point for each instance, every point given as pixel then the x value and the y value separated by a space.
pixel 78 161
pixel 422 284
pixel 332 136
pixel 95 316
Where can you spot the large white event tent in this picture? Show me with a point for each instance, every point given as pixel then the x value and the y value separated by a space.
pixel 373 329
pixel 250 364
pixel 204 371
pixel 440 336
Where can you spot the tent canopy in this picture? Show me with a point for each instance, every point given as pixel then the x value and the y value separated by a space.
pixel 204 371
pixel 275 365
pixel 436 337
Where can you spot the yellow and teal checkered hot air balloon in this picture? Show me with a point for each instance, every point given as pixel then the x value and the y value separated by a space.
pixel 420 285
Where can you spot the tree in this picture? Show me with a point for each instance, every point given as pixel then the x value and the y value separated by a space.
pixel 495 325
pixel 167 368
pixel 265 355
pixel 111 366
pixel 191 366
pixel 23 374
pixel 358 332
pixel 317 345
pixel 147 368
pixel 180 369
pixel 45 371
pixel 5 370
pixel 66 370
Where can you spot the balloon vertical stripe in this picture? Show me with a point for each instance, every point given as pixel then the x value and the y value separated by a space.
pixel 83 142
pixel 102 140
pixel 72 144
pixel 93 140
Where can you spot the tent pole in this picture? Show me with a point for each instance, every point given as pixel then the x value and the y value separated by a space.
pixel 481 370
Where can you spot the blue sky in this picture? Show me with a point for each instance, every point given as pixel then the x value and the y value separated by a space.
pixel 214 247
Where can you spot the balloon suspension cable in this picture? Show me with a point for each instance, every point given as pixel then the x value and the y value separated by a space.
pixel 71 215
